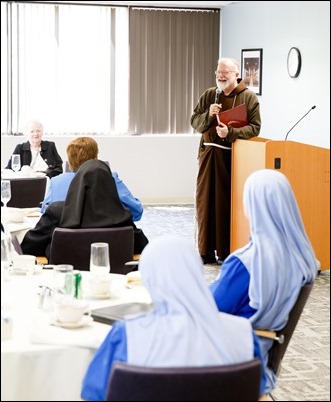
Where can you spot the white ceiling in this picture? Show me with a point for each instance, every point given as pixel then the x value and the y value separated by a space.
pixel 184 4
pixel 170 4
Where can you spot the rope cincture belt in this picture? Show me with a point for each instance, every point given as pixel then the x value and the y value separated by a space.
pixel 216 145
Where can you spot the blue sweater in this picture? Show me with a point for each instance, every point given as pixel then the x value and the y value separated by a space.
pixel 114 348
pixel 59 185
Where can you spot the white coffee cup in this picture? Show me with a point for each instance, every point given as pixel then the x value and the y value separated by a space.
pixel 99 285
pixel 24 262
pixel 71 311
pixel 134 278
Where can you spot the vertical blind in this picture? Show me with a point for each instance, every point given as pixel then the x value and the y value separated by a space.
pixel 89 69
pixel 173 55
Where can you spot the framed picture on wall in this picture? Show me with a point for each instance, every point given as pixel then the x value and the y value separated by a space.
pixel 251 69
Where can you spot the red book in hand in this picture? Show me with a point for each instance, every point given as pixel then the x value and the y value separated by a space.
pixel 235 117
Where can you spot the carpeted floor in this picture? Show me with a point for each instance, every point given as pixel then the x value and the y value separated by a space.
pixel 305 370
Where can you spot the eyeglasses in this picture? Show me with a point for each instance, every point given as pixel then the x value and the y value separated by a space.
pixel 224 72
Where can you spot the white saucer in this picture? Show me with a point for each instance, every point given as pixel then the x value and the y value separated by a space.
pixel 37 269
pixel 100 296
pixel 133 285
pixel 86 320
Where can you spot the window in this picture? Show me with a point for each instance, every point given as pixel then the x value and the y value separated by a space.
pixel 90 69
pixel 63 67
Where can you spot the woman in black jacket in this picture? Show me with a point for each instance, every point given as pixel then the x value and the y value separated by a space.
pixel 41 155
pixel 92 202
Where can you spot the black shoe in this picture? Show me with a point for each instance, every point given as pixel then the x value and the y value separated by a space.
pixel 209 258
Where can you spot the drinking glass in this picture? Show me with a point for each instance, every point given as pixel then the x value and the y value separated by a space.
pixel 5 192
pixel 99 260
pixel 6 254
pixel 16 162
pixel 63 283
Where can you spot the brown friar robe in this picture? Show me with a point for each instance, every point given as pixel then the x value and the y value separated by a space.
pixel 213 191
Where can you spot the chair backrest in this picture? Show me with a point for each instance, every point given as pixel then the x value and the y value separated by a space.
pixel 73 246
pixel 278 349
pixel 235 382
pixel 27 193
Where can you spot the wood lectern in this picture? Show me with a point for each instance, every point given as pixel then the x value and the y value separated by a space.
pixel 307 168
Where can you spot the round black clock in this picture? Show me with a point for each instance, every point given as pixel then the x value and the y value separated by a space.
pixel 294 62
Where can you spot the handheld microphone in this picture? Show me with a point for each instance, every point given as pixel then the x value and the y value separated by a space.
pixel 313 107
pixel 217 96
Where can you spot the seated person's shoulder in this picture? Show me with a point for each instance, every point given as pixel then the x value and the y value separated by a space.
pixel 55 209
pixel 48 142
pixel 63 177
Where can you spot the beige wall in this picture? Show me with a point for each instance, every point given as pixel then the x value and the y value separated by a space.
pixel 158 169
pixel 276 26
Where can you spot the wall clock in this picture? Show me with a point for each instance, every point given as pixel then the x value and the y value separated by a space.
pixel 294 62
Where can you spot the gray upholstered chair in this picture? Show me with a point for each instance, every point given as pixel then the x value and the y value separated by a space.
pixel 282 337
pixel 73 246
pixel 27 193
pixel 236 382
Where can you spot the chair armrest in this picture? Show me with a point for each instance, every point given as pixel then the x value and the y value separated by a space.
pixel 135 260
pixel 269 334
pixel 42 260
pixel 132 263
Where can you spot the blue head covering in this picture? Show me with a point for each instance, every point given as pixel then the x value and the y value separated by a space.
pixel 184 327
pixel 279 256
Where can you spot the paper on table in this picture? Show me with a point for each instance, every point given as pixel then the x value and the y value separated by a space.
pixel 235 117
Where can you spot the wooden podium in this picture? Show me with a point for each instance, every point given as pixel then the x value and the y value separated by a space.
pixel 307 168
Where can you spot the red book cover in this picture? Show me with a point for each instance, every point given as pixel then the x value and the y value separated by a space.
pixel 235 117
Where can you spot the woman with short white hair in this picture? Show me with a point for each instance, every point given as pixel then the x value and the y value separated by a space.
pixel 39 154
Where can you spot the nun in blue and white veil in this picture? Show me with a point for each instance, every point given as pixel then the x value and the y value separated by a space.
pixel 184 327
pixel 262 280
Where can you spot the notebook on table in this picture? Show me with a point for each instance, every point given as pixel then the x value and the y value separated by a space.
pixel 107 315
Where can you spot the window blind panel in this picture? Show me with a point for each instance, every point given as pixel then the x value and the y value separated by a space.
pixel 101 70
pixel 5 69
pixel 64 68
pixel 173 55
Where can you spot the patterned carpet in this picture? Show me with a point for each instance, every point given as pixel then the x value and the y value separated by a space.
pixel 305 371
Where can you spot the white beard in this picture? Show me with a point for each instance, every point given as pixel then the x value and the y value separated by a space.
pixel 224 85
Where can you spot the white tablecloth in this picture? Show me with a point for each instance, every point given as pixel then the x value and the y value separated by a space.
pixel 42 361
pixel 19 229
pixel 7 174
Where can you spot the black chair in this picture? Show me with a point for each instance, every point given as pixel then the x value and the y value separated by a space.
pixel 282 337
pixel 235 382
pixel 27 193
pixel 73 246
